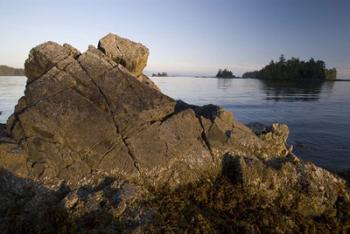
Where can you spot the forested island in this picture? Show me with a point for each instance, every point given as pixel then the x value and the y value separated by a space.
pixel 160 74
pixel 225 74
pixel 294 68
pixel 10 71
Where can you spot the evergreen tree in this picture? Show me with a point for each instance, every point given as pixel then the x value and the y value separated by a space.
pixel 225 74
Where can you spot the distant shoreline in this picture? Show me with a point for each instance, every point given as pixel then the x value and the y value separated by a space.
pixel 11 71
pixel 13 75
pixel 213 77
pixel 340 80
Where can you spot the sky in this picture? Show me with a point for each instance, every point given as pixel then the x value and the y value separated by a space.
pixel 186 37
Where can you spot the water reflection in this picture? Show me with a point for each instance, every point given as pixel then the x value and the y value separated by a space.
pixel 291 90
pixel 224 83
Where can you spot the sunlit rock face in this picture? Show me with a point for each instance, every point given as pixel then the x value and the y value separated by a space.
pixel 94 134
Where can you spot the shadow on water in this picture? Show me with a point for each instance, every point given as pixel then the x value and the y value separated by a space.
pixel 295 90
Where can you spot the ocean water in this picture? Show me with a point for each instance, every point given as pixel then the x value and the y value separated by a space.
pixel 11 89
pixel 317 113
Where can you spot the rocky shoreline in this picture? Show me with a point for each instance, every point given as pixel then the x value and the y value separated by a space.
pixel 94 145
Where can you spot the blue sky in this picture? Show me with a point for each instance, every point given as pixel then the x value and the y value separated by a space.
pixel 186 36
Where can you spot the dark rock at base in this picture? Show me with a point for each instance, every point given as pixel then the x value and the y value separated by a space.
pixel 94 145
pixel 345 174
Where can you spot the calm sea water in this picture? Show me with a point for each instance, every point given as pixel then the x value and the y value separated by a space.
pixel 11 89
pixel 317 113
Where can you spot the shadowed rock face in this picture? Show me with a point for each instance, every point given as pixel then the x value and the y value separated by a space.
pixel 87 117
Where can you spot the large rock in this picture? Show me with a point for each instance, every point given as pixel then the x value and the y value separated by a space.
pixel 78 112
pixel 95 137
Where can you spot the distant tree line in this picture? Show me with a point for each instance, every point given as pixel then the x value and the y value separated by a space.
pixel 225 74
pixel 160 74
pixel 10 71
pixel 294 69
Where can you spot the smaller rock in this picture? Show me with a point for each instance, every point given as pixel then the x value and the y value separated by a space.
pixel 43 57
pixel 95 201
pixel 127 194
pixel 258 128
pixel 130 54
pixel 277 133
pixel 71 200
